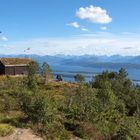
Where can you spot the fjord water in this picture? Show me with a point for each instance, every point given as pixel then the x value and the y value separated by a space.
pixel 68 72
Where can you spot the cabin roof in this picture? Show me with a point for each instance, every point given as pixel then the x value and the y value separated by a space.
pixel 15 61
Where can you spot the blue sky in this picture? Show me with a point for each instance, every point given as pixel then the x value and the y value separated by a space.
pixel 70 27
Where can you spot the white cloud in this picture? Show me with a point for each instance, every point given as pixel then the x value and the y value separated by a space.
pixel 3 38
pixel 74 24
pixel 92 44
pixel 103 28
pixel 84 29
pixel 78 26
pixel 94 14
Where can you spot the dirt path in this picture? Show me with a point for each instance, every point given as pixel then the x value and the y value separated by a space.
pixel 22 134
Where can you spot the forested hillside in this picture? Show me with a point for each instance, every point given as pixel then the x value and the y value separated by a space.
pixel 106 108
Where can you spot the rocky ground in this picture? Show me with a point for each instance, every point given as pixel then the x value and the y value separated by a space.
pixel 21 134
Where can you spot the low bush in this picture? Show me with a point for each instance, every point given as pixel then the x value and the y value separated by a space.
pixel 6 129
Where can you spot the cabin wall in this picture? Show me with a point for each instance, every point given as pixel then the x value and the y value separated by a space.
pixel 16 70
pixel 21 70
pixel 2 69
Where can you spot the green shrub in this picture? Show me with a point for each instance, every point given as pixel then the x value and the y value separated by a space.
pixel 129 129
pixel 42 110
pixel 79 78
pixel 6 129
pixel 8 102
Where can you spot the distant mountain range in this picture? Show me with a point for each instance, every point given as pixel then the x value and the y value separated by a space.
pixel 86 60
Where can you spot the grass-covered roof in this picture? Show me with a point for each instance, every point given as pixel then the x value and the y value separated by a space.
pixel 15 61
